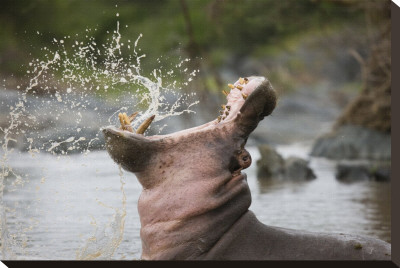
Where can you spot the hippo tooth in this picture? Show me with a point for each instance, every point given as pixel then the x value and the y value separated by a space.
pixel 244 96
pixel 121 120
pixel 223 106
pixel 225 93
pixel 126 119
pixel 219 119
pixel 221 112
pixel 246 80
pixel 231 86
pixel 227 113
pixel 228 107
pixel 239 87
pixel 125 122
pixel 133 116
pixel 241 80
pixel 142 128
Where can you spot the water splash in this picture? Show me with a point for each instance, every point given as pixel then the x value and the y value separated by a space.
pixel 102 244
pixel 61 111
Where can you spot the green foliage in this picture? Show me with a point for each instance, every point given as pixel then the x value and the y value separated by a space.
pixel 221 29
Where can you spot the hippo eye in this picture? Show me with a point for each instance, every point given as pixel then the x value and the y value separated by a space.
pixel 245 158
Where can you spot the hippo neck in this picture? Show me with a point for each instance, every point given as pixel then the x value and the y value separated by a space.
pixel 173 227
pixel 192 194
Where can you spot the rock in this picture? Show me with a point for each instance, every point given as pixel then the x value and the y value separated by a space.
pixel 362 172
pixel 298 169
pixel 353 142
pixel 352 173
pixel 271 165
pixel 382 174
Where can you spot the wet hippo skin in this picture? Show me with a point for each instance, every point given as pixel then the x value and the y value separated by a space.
pixel 195 198
pixel 249 239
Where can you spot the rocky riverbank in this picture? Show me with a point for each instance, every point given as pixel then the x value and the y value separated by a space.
pixel 353 142
pixel 272 166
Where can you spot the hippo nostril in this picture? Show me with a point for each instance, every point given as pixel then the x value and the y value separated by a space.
pixel 240 160
pixel 244 159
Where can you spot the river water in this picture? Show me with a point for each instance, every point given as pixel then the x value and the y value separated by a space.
pixel 82 206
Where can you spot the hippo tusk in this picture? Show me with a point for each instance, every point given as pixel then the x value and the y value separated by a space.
pixel 125 122
pixel 121 119
pixel 142 128
pixel 133 116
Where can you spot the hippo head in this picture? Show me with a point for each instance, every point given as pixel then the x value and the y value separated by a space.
pixel 193 187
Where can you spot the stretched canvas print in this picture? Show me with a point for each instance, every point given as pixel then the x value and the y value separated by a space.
pixel 195 130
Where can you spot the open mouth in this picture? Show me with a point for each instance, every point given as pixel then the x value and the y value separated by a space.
pixel 223 139
pixel 237 94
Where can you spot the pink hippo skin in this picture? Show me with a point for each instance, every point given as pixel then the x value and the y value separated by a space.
pixel 195 198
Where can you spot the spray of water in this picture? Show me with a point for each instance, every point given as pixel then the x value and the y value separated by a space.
pixel 62 96
pixel 103 243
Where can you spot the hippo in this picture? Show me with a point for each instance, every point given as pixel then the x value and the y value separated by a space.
pixel 195 200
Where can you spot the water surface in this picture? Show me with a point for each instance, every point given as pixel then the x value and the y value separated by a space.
pixel 73 206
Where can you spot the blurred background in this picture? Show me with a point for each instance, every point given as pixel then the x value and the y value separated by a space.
pixel 321 161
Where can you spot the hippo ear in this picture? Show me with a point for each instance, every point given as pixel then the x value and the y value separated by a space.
pixel 132 151
pixel 260 103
